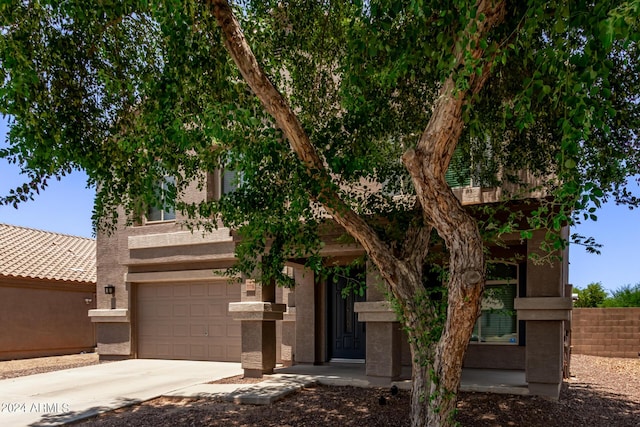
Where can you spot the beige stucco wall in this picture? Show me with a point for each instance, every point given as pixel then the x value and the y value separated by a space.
pixel 44 319
pixel 146 248
pixel 136 250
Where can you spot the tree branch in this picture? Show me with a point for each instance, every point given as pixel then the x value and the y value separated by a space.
pixel 276 105
pixel 438 142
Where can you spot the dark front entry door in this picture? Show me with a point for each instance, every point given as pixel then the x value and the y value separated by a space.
pixel 346 334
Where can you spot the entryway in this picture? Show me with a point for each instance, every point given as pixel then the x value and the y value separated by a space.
pixel 347 338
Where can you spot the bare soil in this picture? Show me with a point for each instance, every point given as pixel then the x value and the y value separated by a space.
pixel 603 392
pixel 39 365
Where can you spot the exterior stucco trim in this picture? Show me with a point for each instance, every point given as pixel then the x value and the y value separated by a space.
pixel 109 315
pixel 205 275
pixel 375 311
pixel 543 308
pixel 178 238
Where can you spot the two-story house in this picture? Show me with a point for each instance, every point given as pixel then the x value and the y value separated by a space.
pixel 159 296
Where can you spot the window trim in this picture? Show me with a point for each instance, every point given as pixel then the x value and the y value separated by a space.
pixel 215 190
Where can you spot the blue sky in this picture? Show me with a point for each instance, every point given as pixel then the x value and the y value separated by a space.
pixel 66 206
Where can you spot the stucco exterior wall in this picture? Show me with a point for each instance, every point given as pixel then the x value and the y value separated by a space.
pixel 608 332
pixel 164 251
pixel 45 319
pixel 495 357
pixel 146 250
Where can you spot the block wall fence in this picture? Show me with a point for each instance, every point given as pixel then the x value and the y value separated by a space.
pixel 608 332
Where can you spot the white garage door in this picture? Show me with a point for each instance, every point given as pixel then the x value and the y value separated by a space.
pixel 188 321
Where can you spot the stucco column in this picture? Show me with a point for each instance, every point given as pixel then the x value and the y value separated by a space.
pixel 384 338
pixel 545 310
pixel 288 345
pixel 305 315
pixel 257 313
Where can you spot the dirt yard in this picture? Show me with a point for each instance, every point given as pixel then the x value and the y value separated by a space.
pixel 22 367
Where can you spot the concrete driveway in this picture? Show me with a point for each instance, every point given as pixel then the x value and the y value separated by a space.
pixel 56 398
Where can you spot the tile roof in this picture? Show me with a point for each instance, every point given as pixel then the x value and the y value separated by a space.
pixel 30 253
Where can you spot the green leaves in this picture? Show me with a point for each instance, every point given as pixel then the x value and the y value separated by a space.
pixel 135 91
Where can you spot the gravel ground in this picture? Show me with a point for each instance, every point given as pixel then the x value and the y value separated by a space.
pixel 603 392
pixel 22 367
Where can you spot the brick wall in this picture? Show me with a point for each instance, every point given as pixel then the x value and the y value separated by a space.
pixel 609 332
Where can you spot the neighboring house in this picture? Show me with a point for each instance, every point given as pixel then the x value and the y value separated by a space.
pixel 169 303
pixel 47 284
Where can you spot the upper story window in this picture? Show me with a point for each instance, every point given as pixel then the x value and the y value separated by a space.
pixel 164 212
pixel 230 180
pixel 465 172
pixel 459 172
pixel 498 323
pixel 221 182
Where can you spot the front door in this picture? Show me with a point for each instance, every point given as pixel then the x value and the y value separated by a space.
pixel 346 334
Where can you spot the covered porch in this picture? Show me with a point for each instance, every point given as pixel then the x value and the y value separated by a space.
pixel 502 381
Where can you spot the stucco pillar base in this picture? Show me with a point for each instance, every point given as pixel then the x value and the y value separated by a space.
pixel 545 390
pixel 383 341
pixel 544 357
pixel 258 329
pixel 288 345
pixel 258 347
pixel 383 352
pixel 114 340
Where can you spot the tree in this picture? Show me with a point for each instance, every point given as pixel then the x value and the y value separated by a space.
pixel 357 108
pixel 624 296
pixel 593 295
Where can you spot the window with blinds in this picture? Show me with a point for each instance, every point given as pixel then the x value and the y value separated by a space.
pixel 459 172
pixel 498 323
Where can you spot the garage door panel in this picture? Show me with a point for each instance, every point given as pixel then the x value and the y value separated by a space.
pixel 217 331
pixel 198 331
pixel 216 290
pixel 146 330
pixel 187 321
pixel 180 331
pixel 234 352
pixel 181 351
pixel 180 290
pixel 145 310
pixel 198 290
pixel 198 351
pixel 198 310
pixel 147 348
pixel 218 351
pixel 233 330
pixel 218 310
pixel 180 310
pixel 163 349
pixel 163 330
pixel 146 292
pixel 161 310
pixel 161 292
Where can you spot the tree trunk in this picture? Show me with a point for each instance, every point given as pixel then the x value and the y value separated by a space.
pixel 466 264
pixel 420 383
pixel 437 361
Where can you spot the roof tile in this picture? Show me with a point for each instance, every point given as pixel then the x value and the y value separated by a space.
pixel 38 254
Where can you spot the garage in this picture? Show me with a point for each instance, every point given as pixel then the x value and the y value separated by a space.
pixel 188 321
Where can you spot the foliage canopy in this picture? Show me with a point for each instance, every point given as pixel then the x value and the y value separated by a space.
pixel 594 295
pixel 134 91
pixel 350 108
pixel 624 296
